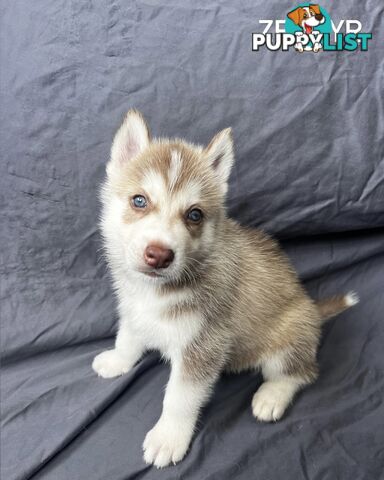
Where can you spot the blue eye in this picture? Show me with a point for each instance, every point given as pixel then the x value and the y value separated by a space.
pixel 139 201
pixel 195 215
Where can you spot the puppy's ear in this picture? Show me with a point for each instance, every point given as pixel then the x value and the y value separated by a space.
pixel 131 139
pixel 315 8
pixel 220 156
pixel 296 15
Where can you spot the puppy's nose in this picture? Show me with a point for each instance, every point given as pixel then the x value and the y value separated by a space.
pixel 158 257
pixel 319 16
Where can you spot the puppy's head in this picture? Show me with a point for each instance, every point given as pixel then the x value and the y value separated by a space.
pixel 307 17
pixel 163 201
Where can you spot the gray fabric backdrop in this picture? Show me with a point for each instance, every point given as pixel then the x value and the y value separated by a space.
pixel 309 142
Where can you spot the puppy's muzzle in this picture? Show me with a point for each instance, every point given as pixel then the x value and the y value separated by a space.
pixel 156 256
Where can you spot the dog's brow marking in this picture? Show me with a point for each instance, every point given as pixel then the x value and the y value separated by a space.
pixel 189 194
pixel 154 185
pixel 194 191
pixel 174 169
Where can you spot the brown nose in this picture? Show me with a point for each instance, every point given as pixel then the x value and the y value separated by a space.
pixel 158 257
pixel 319 16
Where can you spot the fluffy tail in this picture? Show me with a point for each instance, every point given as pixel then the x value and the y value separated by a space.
pixel 329 307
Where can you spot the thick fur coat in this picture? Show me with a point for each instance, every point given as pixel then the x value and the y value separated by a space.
pixel 209 294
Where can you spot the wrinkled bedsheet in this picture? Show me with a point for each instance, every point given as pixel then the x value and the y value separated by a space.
pixel 308 130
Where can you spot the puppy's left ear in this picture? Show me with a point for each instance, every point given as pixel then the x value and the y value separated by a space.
pixel 220 156
pixel 315 7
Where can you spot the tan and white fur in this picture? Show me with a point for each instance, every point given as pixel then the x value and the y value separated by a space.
pixel 210 295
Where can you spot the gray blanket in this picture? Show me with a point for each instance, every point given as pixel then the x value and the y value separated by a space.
pixel 308 130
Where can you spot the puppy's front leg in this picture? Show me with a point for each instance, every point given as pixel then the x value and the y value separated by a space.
pixel 169 439
pixel 128 350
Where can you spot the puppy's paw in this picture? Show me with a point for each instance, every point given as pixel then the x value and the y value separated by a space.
pixel 110 364
pixel 270 402
pixel 166 443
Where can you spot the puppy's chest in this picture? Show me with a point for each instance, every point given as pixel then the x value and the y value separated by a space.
pixel 162 322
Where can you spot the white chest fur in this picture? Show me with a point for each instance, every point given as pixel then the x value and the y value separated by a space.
pixel 145 311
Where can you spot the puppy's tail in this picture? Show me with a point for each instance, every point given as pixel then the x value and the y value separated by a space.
pixel 329 307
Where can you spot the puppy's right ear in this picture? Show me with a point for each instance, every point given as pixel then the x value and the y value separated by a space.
pixel 131 139
pixel 295 15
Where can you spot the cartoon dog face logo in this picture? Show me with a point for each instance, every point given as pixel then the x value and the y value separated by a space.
pixel 307 17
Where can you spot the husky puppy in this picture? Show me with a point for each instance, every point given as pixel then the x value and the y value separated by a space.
pixel 209 294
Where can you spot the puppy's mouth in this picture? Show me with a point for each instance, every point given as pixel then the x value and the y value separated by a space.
pixel 163 274
pixel 152 273
pixel 308 28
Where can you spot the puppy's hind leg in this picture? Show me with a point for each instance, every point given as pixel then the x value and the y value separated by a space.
pixel 280 386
